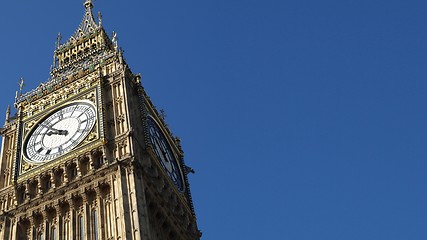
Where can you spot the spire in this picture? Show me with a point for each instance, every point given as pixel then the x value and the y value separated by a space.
pixel 88 39
pixel 88 24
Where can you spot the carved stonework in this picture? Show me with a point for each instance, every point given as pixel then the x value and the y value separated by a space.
pixel 26 167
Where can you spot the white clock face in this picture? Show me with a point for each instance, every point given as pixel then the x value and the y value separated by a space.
pixel 59 132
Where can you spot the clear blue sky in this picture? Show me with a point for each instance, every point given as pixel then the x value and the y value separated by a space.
pixel 303 119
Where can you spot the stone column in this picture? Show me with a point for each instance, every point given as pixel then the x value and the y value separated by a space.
pixel 91 167
pixel 79 173
pixel 44 225
pixel 26 196
pixel 67 225
pixel 56 221
pixel 108 216
pixel 13 229
pixel 30 230
pixel 64 169
pixel 39 185
pixel 99 206
pixel 85 213
pixel 52 179
pixel 71 215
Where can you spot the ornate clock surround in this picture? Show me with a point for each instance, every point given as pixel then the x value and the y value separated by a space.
pixel 84 89
pixel 59 132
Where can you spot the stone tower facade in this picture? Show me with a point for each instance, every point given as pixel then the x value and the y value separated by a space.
pixel 88 156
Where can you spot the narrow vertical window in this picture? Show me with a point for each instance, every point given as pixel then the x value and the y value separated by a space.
pixel 53 234
pixel 65 233
pixel 47 232
pixel 95 224
pixel 81 228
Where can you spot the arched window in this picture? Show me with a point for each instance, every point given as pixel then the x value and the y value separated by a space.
pixel 81 228
pixel 40 236
pixel 95 224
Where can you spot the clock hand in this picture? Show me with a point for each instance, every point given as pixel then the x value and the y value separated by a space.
pixel 58 132
pixel 54 130
pixel 51 133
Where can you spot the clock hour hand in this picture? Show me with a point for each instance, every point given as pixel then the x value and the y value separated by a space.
pixel 54 130
pixel 58 132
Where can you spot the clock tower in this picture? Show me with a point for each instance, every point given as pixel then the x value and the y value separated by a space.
pixel 88 156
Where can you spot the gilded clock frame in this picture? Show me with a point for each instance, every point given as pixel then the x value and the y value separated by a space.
pixel 27 135
pixel 86 89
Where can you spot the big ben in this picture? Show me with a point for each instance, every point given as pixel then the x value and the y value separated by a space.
pixel 88 156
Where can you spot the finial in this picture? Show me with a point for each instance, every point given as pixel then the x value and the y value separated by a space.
pixel 100 19
pixel 121 56
pixel 21 85
pixel 58 40
pixel 8 114
pixel 88 4
pixel 137 79
pixel 116 45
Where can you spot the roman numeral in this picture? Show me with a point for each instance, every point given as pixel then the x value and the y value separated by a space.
pixel 74 109
pixel 83 112
pixel 60 115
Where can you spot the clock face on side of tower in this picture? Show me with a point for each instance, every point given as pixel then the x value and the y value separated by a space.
pixel 59 132
pixel 164 153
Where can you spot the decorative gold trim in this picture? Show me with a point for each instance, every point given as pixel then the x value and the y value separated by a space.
pixel 60 160
pixel 90 134
pixel 90 96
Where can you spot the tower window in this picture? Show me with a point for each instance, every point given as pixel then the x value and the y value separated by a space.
pixel 59 177
pixel 33 189
pixel 81 228
pixel 84 166
pixel 72 172
pixel 47 183
pixel 21 194
pixel 53 234
pixel 95 225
